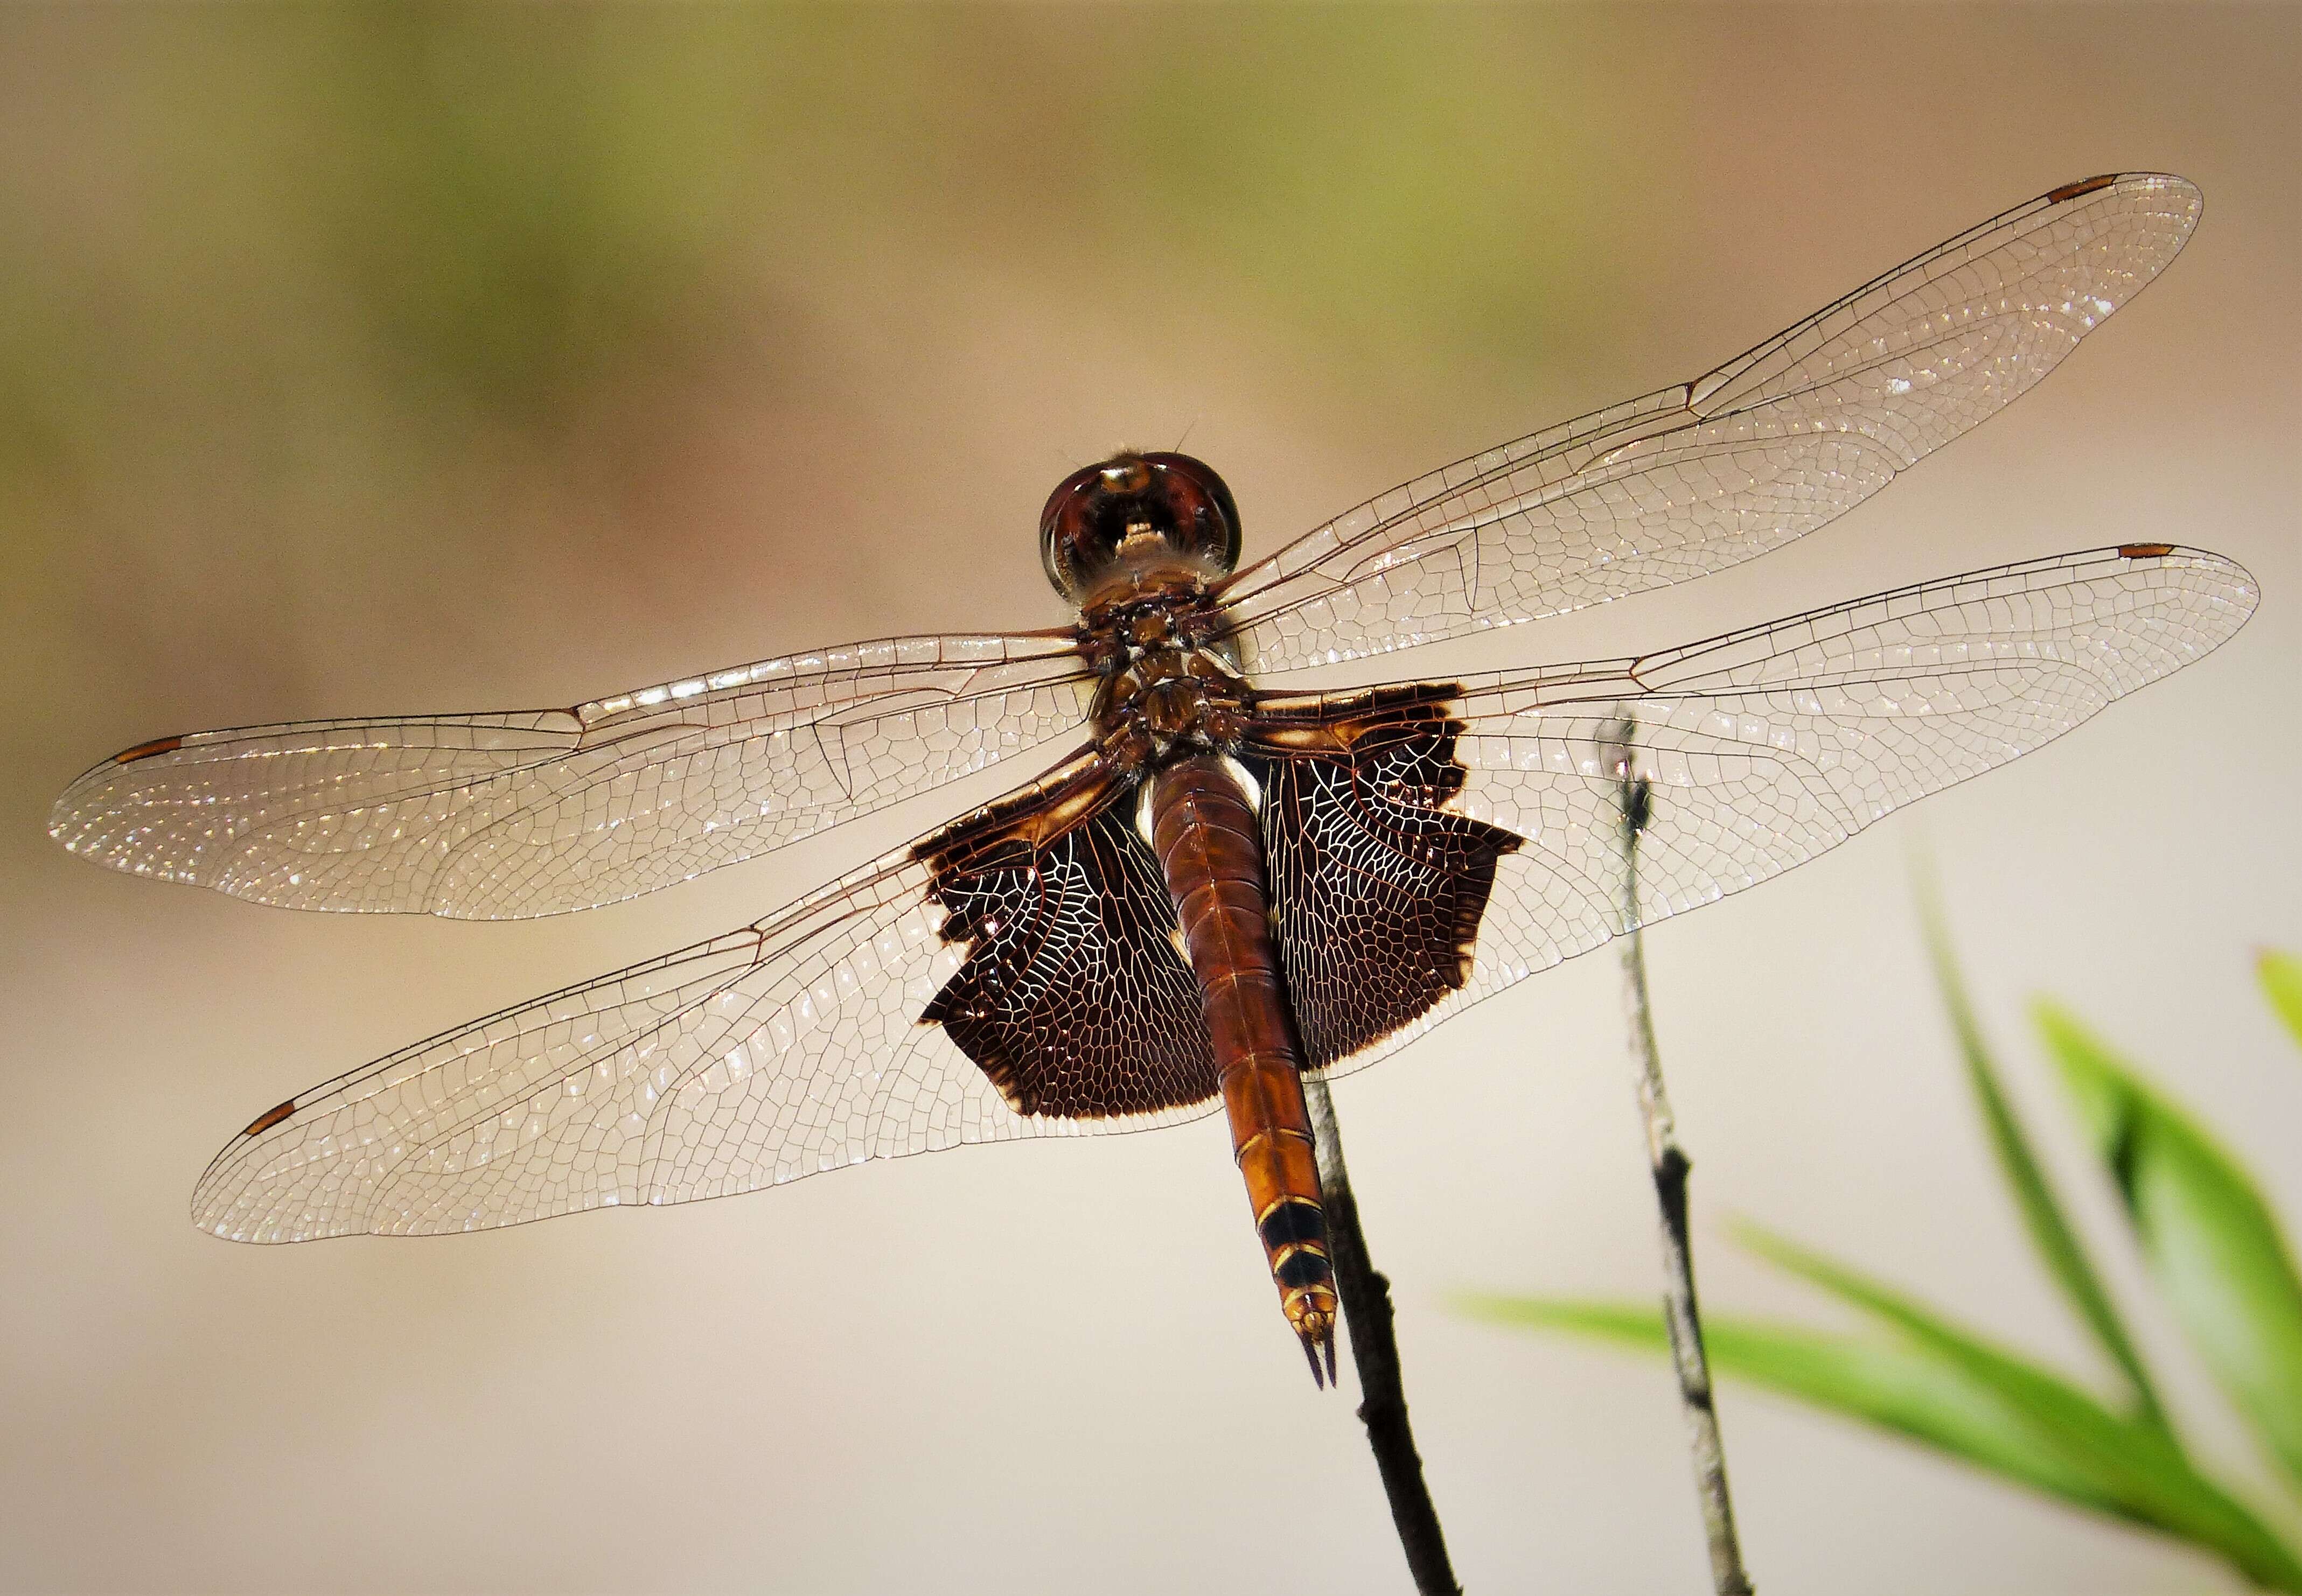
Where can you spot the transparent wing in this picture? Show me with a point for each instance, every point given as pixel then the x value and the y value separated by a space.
pixel 1766 747
pixel 503 816
pixel 796 1046
pixel 789 1047
pixel 1702 475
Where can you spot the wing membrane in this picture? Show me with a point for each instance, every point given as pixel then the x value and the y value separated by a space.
pixel 795 1044
pixel 504 816
pixel 1764 748
pixel 1702 475
pixel 1075 1000
pixel 789 1047
pixel 1378 884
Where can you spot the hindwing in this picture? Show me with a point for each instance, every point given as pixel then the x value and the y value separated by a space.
pixel 1073 998
pixel 1377 886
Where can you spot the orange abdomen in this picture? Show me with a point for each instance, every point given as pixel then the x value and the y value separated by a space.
pixel 1210 849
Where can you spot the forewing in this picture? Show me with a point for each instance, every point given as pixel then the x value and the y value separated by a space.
pixel 503 816
pixel 797 1045
pixel 1762 749
pixel 789 1047
pixel 1702 475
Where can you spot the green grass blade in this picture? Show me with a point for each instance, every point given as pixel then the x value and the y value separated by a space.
pixel 2136 1465
pixel 2281 979
pixel 1881 1383
pixel 2051 1233
pixel 1960 1406
pixel 2211 1241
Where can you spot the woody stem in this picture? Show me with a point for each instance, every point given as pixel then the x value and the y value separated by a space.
pixel 1365 1296
pixel 1670 1166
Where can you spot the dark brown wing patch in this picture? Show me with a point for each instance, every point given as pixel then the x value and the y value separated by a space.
pixel 1074 999
pixel 1377 889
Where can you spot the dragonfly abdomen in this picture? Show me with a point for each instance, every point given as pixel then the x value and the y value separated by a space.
pixel 1210 850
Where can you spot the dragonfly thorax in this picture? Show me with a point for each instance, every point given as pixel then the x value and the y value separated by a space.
pixel 1167 699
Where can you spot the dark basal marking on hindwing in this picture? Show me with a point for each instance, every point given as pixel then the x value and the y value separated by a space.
pixel 1377 889
pixel 1073 1000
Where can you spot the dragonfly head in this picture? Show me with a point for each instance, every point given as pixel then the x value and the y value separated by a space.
pixel 1136 520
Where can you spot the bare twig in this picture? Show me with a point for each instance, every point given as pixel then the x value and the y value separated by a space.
pixel 1670 1166
pixel 1374 1350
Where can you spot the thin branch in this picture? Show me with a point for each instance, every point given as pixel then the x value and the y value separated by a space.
pixel 1374 1350
pixel 1670 1167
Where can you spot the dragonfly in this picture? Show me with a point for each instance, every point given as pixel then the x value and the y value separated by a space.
pixel 1215 885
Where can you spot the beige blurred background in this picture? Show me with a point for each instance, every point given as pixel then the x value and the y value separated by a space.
pixel 361 361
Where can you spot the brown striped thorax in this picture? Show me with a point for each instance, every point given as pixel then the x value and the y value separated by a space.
pixel 1137 541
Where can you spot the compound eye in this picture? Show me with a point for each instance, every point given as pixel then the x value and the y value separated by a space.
pixel 1140 514
pixel 1081 527
pixel 1204 517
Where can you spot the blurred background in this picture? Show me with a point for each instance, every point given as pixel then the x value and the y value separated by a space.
pixel 369 360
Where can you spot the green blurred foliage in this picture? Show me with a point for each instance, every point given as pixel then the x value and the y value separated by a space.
pixel 2281 982
pixel 2215 1250
pixel 495 211
pixel 2059 1249
pixel 296 299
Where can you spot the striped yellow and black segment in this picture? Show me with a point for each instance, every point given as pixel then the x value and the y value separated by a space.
pixel 1294 1232
pixel 1205 832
